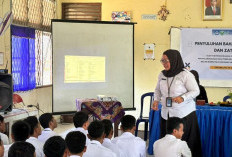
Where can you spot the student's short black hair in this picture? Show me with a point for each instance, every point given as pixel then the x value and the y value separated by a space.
pixel 1 118
pixel 96 129
pixel 20 131
pixel 80 118
pixel 173 123
pixel 108 126
pixel 45 119
pixel 75 141
pixel 21 149
pixel 128 122
pixel 54 147
pixel 33 123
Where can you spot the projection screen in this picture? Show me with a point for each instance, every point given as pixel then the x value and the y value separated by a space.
pixel 92 58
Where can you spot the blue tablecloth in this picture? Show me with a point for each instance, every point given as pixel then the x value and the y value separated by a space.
pixel 215 124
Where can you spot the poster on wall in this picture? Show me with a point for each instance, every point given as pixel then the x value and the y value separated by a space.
pixel 121 16
pixel 208 51
pixel 149 51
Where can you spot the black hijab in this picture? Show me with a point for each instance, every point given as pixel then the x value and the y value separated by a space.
pixel 176 63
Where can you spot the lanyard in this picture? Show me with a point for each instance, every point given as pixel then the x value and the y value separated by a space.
pixel 170 85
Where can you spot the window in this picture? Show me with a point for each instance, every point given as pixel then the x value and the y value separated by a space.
pixel 81 11
pixel 43 53
pixel 23 58
pixel 37 14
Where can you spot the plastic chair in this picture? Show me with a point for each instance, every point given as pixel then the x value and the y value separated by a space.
pixel 225 98
pixel 144 119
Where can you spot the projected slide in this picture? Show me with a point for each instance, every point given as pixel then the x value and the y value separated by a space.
pixel 89 59
pixel 84 69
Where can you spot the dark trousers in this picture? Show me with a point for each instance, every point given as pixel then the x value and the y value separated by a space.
pixel 191 133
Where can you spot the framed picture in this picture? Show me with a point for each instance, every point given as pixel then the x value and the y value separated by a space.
pixel 212 9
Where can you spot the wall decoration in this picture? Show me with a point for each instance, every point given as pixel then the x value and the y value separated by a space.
pixel 163 13
pixel 212 9
pixel 121 16
pixel 149 51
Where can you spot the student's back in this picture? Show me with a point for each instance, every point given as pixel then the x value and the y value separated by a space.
pixel 171 145
pixel 94 148
pixel 130 145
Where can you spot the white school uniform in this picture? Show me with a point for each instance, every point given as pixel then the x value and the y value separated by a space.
pixel 171 146
pixel 95 148
pixel 183 84
pixel 46 134
pixel 38 146
pixel 6 149
pixel 130 145
pixel 78 129
pixel 5 139
pixel 112 146
pixel 74 156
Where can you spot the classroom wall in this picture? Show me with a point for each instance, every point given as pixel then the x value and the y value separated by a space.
pixel 182 13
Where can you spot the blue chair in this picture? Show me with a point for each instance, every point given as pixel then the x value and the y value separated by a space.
pixel 144 119
pixel 226 97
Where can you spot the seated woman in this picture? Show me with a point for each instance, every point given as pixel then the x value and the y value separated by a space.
pixel 203 94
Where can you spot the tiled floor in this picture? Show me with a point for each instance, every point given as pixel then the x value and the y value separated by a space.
pixel 66 126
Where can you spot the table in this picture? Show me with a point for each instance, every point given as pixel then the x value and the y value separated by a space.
pixel 215 125
pixel 111 110
pixel 15 115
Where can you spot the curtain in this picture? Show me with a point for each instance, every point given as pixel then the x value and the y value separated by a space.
pixel 23 58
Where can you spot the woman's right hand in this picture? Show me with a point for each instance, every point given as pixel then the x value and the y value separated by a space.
pixel 155 105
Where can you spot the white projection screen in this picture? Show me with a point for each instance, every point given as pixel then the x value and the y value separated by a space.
pixel 92 58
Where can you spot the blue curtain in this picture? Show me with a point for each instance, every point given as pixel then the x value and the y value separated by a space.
pixel 23 58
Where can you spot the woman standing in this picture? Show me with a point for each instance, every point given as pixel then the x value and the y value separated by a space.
pixel 176 89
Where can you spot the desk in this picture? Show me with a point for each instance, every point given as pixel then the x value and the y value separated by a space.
pixel 15 115
pixel 111 110
pixel 215 125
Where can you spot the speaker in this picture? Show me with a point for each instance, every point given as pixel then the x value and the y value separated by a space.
pixel 6 92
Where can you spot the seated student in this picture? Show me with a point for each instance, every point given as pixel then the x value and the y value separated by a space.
pixel 76 142
pixel 55 147
pixel 1 148
pixel 171 145
pixel 48 122
pixel 20 132
pixel 22 149
pixel 4 137
pixel 81 123
pixel 127 142
pixel 108 135
pixel 34 133
pixel 203 94
pixel 97 135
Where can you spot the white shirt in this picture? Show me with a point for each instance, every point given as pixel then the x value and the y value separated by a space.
pixel 78 129
pixel 170 146
pixel 46 134
pixel 38 146
pixel 74 156
pixel 112 146
pixel 6 149
pixel 184 85
pixel 130 145
pixel 5 139
pixel 95 148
